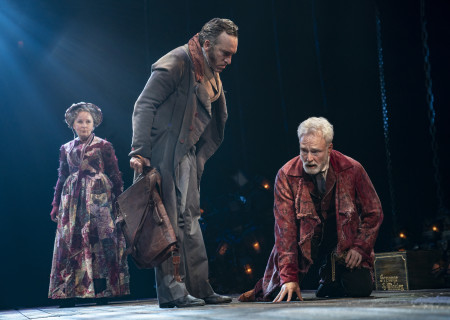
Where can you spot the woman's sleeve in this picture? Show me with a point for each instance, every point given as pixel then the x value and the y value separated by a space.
pixel 112 168
pixel 63 173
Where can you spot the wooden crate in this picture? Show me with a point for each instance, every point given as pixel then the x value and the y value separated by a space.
pixel 406 270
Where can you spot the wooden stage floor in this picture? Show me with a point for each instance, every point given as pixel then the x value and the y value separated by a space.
pixel 408 305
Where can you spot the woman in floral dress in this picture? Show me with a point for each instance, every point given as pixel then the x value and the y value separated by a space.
pixel 89 259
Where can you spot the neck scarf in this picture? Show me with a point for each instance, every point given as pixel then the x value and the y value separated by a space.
pixel 195 50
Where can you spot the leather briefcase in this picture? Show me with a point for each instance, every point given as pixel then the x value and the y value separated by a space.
pixel 147 229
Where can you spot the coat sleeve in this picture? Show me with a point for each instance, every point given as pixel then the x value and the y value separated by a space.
pixel 112 168
pixel 63 173
pixel 370 212
pixel 166 75
pixel 285 230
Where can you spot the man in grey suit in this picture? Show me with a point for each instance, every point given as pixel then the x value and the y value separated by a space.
pixel 178 123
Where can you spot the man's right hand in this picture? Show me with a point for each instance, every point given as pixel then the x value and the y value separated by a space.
pixel 288 288
pixel 138 163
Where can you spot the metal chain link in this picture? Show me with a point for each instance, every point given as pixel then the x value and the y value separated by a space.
pixel 385 121
pixel 431 110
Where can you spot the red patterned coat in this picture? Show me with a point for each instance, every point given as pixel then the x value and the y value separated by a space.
pixel 358 218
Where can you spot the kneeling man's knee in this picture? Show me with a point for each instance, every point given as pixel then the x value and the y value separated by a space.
pixel 357 283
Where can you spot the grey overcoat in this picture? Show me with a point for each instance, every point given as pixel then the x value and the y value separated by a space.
pixel 172 114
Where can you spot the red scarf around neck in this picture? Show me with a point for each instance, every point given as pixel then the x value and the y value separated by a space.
pixel 195 50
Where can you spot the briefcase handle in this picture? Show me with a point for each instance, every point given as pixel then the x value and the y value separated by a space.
pixel 145 169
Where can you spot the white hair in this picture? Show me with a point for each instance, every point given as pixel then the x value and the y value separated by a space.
pixel 315 124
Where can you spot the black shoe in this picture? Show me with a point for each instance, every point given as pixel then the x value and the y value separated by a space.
pixel 101 301
pixel 330 290
pixel 217 299
pixel 183 302
pixel 322 291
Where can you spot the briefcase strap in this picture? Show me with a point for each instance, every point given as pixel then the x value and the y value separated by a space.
pixel 176 265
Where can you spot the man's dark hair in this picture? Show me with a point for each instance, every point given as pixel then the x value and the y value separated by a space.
pixel 213 28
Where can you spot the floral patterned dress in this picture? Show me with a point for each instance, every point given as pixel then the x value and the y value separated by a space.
pixel 89 259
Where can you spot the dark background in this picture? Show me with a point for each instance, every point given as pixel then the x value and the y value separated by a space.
pixel 295 59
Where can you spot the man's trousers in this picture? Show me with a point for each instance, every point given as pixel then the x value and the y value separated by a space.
pixel 194 262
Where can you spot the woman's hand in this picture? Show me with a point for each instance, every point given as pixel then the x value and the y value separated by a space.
pixel 54 214
pixel 288 288
pixel 137 163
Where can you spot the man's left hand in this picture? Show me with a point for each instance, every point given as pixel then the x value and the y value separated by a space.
pixel 353 259
pixel 289 288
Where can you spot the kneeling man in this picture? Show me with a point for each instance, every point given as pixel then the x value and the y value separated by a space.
pixel 326 212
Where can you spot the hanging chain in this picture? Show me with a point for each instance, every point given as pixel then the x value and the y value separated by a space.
pixel 431 111
pixel 385 122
